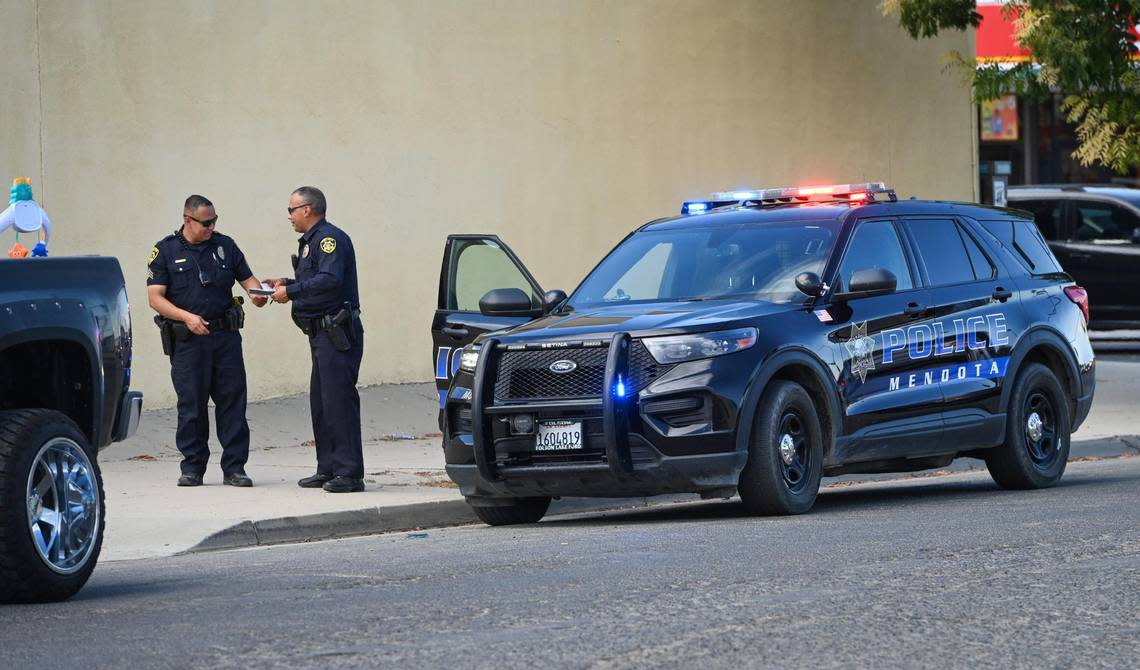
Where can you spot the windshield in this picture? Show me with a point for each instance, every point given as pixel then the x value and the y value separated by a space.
pixel 757 262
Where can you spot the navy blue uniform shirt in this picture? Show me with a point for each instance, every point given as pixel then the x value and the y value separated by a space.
pixel 326 272
pixel 199 278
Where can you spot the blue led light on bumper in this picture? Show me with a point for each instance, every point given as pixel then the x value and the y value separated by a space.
pixel 681 348
pixel 619 389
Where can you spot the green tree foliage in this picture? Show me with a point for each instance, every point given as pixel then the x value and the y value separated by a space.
pixel 1081 48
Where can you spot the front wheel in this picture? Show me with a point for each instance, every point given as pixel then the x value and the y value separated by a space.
pixel 1038 425
pixel 517 511
pixel 785 457
pixel 51 507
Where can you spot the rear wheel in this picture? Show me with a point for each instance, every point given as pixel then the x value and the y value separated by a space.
pixel 785 458
pixel 1038 425
pixel 519 510
pixel 51 507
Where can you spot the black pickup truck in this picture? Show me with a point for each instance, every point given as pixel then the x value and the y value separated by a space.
pixel 65 372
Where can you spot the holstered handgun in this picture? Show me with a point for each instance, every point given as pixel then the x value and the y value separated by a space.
pixel 338 326
pixel 165 334
pixel 235 316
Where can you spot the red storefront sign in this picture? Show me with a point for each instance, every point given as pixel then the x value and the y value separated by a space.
pixel 995 37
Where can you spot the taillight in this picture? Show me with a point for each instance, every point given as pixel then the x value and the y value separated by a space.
pixel 1081 297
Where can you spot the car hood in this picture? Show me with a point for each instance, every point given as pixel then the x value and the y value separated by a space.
pixel 659 318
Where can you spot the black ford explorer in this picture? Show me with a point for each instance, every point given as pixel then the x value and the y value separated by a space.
pixel 759 341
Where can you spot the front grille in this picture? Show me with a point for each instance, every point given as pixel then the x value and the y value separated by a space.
pixel 526 375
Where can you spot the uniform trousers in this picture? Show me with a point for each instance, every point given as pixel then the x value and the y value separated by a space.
pixel 210 367
pixel 335 404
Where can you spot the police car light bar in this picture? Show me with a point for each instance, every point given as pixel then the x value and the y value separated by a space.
pixel 788 194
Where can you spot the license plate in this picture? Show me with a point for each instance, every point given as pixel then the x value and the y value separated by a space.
pixel 558 435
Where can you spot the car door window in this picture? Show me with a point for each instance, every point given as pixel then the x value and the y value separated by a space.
pixel 876 244
pixel 1047 214
pixel 482 265
pixel 1103 222
pixel 942 251
pixel 982 267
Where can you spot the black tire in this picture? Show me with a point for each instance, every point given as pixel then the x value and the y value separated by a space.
pixel 1034 453
pixel 30 440
pixel 770 485
pixel 521 510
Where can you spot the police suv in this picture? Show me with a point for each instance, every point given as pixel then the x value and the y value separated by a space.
pixel 756 343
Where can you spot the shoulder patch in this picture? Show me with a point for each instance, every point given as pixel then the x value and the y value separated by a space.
pixel 153 255
pixel 328 245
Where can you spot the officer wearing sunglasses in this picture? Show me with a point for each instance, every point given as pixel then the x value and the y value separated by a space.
pixel 326 307
pixel 190 278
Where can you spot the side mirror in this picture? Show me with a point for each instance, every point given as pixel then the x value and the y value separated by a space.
pixel 870 282
pixel 552 298
pixel 809 283
pixel 505 302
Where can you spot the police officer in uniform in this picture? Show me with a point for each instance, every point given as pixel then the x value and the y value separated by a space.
pixel 190 278
pixel 326 307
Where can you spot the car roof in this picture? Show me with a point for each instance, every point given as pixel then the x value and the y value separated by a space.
pixel 825 211
pixel 1073 190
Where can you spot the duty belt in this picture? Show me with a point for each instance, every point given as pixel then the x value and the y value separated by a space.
pixel 221 323
pixel 314 325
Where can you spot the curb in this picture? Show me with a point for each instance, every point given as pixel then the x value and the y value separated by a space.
pixel 449 513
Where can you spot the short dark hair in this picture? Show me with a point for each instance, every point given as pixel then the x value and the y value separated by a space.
pixel 195 201
pixel 312 196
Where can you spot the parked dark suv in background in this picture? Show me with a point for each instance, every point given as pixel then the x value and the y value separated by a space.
pixel 1094 231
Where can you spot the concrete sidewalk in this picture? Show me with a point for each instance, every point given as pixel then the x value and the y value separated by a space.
pixel 147 515
pixel 406 487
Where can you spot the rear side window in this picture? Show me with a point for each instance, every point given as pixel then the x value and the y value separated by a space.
pixel 983 268
pixel 1047 214
pixel 1024 241
pixel 943 253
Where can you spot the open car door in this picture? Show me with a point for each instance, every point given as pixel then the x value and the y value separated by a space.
pixel 472 266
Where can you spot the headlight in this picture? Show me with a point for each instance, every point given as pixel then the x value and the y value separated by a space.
pixel 469 358
pixel 680 348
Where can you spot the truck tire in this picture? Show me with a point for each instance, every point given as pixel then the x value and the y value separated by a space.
pixel 520 510
pixel 785 456
pixel 51 507
pixel 1038 426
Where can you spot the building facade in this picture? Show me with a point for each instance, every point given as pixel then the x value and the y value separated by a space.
pixel 558 124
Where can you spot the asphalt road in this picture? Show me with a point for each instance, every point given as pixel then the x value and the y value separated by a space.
pixel 930 572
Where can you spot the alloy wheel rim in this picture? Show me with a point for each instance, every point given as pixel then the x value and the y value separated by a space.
pixel 63 505
pixel 1041 430
pixel 795 456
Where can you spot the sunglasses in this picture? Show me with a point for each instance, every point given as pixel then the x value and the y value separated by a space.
pixel 205 224
pixel 293 209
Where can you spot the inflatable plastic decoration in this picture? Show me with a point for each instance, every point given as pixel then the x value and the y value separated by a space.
pixel 25 214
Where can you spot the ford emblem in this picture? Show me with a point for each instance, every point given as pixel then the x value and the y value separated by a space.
pixel 563 366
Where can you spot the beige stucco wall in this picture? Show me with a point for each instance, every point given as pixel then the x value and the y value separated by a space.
pixel 559 125
pixel 20 99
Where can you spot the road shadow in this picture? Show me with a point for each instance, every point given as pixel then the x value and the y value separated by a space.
pixel 830 501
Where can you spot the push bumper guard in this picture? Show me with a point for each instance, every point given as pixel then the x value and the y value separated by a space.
pixel 615 409
pixel 617 476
